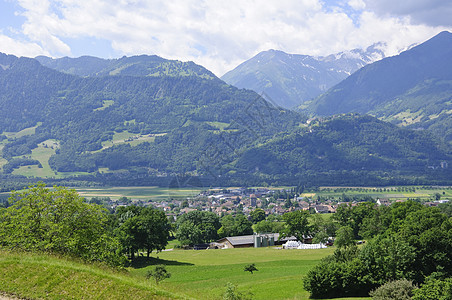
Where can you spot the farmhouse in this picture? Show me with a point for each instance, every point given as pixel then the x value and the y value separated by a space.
pixel 255 240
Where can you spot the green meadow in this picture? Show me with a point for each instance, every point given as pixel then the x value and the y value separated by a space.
pixel 204 274
pixel 201 274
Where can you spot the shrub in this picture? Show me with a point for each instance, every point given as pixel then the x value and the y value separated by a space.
pixel 394 290
pixel 331 279
pixel 159 273
pixel 232 293
pixel 250 268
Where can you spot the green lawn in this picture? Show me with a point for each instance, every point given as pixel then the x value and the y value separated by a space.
pixel 204 274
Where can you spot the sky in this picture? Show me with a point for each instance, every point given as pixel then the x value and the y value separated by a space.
pixel 218 34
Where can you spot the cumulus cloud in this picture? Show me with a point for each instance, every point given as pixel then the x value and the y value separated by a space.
pixel 9 45
pixel 217 34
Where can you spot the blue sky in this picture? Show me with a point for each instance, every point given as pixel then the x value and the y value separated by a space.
pixel 217 34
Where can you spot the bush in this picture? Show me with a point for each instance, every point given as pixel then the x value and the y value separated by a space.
pixel 394 290
pixel 332 279
pixel 232 293
pixel 434 289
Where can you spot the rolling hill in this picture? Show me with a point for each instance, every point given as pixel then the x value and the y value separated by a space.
pixel 413 89
pixel 289 80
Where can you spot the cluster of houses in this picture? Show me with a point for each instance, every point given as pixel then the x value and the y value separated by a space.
pixel 242 200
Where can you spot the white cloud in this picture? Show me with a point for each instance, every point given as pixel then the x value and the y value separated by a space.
pixel 20 48
pixel 217 34
pixel 357 4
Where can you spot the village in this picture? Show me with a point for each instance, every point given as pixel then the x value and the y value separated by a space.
pixel 276 202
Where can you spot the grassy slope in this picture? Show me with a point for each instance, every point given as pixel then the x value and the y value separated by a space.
pixel 204 274
pixel 35 276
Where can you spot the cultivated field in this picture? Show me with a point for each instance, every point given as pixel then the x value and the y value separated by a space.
pixel 139 193
pixel 162 193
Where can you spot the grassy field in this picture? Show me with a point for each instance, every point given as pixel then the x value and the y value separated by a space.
pixel 42 153
pixel 34 276
pixel 126 137
pixel 204 274
pixel 200 274
pixel 23 132
pixel 391 193
pixel 139 193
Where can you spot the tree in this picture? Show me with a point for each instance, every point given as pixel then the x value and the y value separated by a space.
pixel 155 227
pixel 296 224
pixel 142 229
pixel 231 226
pixel 430 233
pixel 250 268
pixel 56 220
pixel 189 234
pixel 386 259
pixel 267 226
pixel 197 227
pixel 257 215
pixel 353 216
pixel 434 289
pixel 159 273
pixel 322 229
pixel 344 237
pixel 242 225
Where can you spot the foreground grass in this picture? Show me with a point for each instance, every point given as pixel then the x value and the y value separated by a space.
pixel 195 274
pixel 204 274
pixel 35 276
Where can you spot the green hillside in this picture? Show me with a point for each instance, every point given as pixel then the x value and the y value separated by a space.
pixel 195 275
pixel 142 130
pixel 411 89
pixel 34 276
pixel 347 147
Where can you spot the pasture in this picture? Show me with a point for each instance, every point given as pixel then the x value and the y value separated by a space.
pixel 204 274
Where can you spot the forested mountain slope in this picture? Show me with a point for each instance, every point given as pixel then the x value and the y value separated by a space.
pixel 411 89
pixel 130 129
pixel 142 65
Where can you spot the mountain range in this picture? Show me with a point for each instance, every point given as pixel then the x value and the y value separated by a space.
pixel 288 80
pixel 136 120
pixel 412 89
